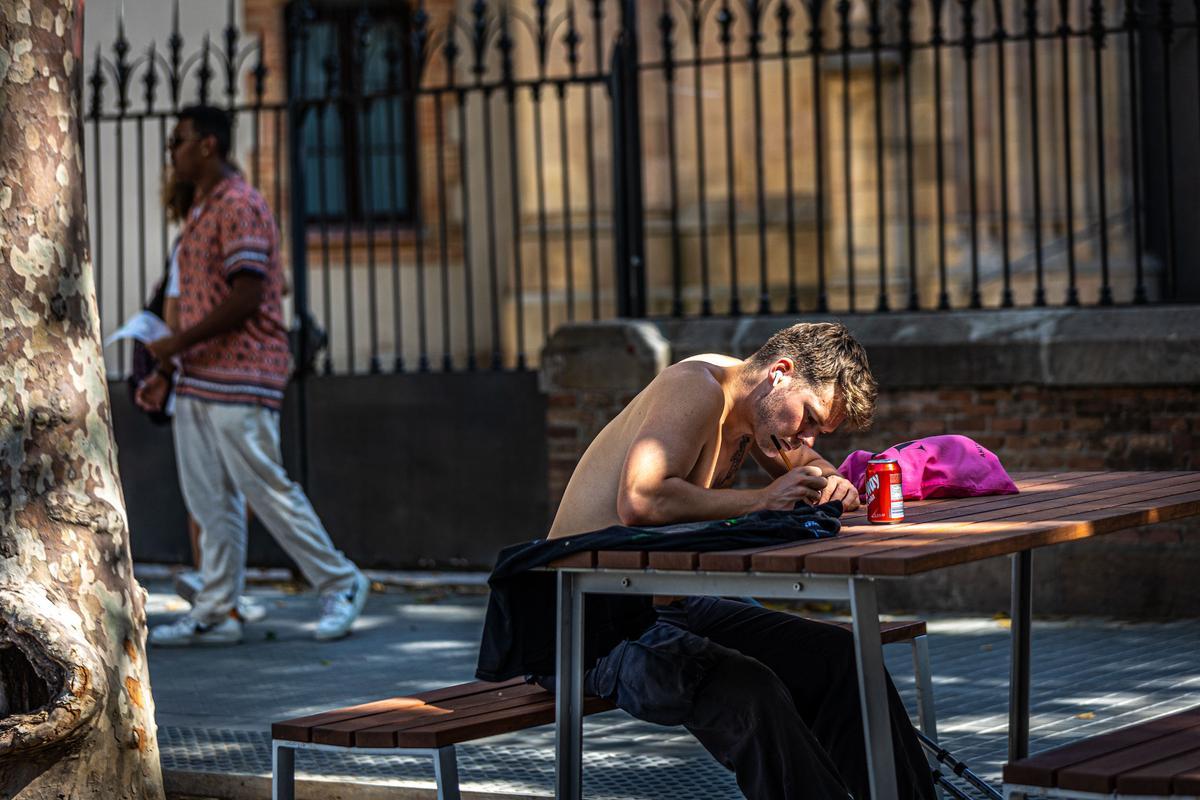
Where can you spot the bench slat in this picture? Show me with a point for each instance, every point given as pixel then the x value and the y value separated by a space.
pixel 463 712
pixel 1041 769
pixel 300 728
pixel 479 727
pixel 1160 777
pixel 1100 774
pixel 343 733
pixel 1188 783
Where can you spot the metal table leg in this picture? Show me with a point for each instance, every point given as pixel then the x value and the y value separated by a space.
pixel 568 710
pixel 872 689
pixel 1018 683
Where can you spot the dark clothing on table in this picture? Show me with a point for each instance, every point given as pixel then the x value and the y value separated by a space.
pixel 519 631
pixel 770 695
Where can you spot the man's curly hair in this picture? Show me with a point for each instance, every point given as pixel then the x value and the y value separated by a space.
pixel 826 353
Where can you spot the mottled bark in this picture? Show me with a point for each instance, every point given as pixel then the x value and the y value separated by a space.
pixel 76 717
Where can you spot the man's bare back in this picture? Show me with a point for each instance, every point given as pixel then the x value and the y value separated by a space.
pixel 672 453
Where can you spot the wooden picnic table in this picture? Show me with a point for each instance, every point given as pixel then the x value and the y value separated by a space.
pixel 1051 508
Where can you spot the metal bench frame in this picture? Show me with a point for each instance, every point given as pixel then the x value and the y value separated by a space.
pixel 445 761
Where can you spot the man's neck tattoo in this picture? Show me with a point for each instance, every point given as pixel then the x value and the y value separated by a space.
pixel 735 463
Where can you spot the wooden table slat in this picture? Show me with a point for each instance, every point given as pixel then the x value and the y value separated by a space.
pixel 1040 769
pixel 1008 538
pixel 675 560
pixel 585 559
pixel 1059 486
pixel 1012 505
pixel 1160 777
pixel 853 524
pixel 738 560
pixel 794 558
pixel 847 561
pixel 622 559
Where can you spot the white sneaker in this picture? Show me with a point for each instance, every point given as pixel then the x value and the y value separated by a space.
pixel 340 609
pixel 187 630
pixel 250 610
pixel 188 584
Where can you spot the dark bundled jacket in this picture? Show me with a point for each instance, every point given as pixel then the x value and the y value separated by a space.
pixel 518 633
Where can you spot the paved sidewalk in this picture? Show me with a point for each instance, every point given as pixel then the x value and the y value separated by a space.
pixel 215 705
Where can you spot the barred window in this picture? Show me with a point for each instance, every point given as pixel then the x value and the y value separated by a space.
pixel 358 77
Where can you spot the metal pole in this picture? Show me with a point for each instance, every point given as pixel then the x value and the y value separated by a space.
pixel 872 689
pixel 1018 697
pixel 568 708
pixel 283 772
pixel 299 244
pixel 627 168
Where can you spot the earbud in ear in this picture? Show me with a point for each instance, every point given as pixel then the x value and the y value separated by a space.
pixel 778 377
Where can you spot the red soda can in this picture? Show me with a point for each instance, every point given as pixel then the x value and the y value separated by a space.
pixel 885 497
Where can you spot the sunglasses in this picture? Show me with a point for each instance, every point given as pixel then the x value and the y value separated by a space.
pixel 175 141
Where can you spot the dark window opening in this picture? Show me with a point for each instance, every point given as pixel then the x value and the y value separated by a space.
pixel 357 83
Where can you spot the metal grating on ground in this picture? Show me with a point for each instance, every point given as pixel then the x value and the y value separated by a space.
pixel 610 774
pixel 1089 676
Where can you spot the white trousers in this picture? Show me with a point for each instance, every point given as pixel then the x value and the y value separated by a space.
pixel 228 456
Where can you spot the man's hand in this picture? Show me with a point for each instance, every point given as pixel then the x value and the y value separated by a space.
pixel 152 393
pixel 802 484
pixel 162 349
pixel 838 488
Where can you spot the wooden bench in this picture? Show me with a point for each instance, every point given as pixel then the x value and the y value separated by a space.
pixel 432 723
pixel 1159 758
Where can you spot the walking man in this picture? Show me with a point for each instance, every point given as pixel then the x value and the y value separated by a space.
pixel 229 362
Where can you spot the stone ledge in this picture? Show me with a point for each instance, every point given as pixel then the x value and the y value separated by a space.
pixel 1145 346
pixel 616 356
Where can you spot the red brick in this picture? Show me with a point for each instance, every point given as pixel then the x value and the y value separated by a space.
pixel 928 427
pixel 1044 425
pixel 955 397
pixel 561 401
pixel 1084 462
pixel 991 442
pixel 1006 424
pixel 978 409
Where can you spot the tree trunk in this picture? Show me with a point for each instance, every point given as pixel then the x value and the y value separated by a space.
pixel 76 717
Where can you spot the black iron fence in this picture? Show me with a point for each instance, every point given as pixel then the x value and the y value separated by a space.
pixel 454 186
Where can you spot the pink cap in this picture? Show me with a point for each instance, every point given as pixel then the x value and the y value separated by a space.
pixel 937 466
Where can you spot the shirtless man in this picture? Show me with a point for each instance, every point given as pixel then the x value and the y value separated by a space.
pixel 772 696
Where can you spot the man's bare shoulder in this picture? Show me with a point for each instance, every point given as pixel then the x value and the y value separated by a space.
pixel 692 383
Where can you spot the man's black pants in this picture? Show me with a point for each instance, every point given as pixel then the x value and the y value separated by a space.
pixel 771 696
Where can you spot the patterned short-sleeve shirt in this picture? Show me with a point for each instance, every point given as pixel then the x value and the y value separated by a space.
pixel 230 232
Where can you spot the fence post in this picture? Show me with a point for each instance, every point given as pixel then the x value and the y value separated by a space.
pixel 629 237
pixel 296 229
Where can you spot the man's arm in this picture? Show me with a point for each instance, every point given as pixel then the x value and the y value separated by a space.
pixel 656 479
pixel 245 296
pixel 836 487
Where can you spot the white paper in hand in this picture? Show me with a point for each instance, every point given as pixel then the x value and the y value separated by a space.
pixel 144 326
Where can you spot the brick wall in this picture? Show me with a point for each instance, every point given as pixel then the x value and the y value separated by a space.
pixel 1031 426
